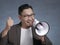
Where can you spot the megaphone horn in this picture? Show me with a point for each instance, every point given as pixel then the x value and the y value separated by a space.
pixel 41 28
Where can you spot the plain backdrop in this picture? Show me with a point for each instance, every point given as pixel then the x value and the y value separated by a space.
pixel 45 10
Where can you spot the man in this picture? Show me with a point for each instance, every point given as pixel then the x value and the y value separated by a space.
pixel 24 32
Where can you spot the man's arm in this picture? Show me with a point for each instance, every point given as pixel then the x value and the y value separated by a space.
pixel 3 36
pixel 43 41
pixel 4 33
pixel 8 26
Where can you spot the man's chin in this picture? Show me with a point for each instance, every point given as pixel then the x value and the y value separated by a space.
pixel 29 25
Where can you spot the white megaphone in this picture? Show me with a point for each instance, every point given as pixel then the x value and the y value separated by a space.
pixel 41 28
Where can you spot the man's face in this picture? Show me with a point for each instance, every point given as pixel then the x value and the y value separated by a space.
pixel 27 17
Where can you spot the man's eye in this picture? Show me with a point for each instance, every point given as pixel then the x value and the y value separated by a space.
pixel 24 16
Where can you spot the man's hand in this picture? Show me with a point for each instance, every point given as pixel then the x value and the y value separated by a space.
pixel 8 26
pixel 9 22
pixel 43 40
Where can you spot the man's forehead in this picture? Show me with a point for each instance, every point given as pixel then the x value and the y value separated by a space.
pixel 27 11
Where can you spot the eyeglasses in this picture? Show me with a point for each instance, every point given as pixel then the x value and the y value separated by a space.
pixel 28 15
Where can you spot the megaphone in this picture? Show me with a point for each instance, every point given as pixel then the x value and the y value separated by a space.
pixel 41 28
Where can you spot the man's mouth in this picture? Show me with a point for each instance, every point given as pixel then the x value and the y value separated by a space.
pixel 30 22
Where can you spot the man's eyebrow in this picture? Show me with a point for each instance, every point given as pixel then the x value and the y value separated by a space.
pixel 29 14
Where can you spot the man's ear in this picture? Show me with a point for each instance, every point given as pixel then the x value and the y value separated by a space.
pixel 19 17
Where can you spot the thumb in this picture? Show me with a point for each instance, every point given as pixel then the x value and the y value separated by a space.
pixel 9 18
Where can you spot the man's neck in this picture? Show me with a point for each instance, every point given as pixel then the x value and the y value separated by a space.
pixel 26 27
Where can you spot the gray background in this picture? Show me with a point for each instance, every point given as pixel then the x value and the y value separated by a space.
pixel 45 10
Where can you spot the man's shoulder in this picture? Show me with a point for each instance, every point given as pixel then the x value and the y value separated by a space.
pixel 16 25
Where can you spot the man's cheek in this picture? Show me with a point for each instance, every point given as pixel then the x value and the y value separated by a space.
pixel 30 23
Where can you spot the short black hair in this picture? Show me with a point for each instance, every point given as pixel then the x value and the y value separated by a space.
pixel 22 7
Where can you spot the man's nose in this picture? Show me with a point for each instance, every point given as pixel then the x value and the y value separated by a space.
pixel 30 18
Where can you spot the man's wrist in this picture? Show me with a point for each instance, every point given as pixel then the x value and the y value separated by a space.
pixel 7 27
pixel 5 31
